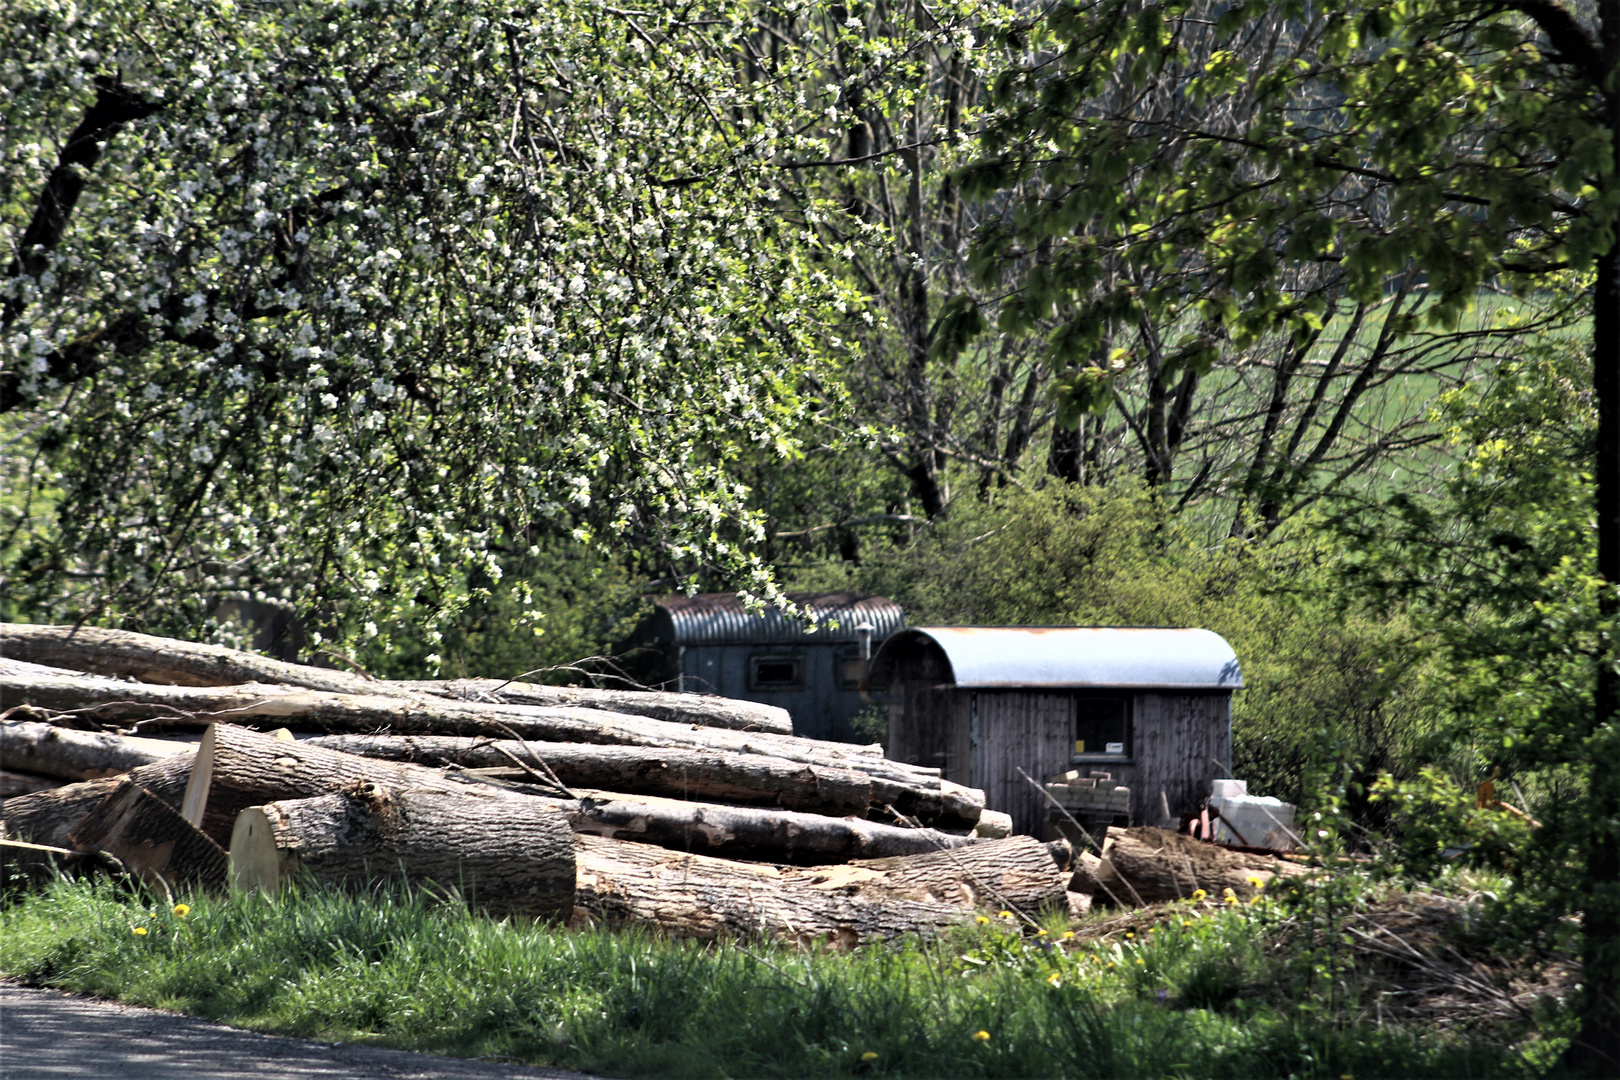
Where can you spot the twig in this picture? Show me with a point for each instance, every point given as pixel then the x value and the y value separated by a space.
pixel 537 758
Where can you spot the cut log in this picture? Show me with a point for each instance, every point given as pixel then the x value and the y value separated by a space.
pixel 123 654
pixel 28 865
pixel 18 783
pixel 749 833
pixel 514 857
pixel 1147 865
pixel 1017 873
pixel 911 789
pixel 237 768
pixel 698 896
pixel 78 755
pixel 47 817
pixel 706 709
pixel 151 839
pixel 743 779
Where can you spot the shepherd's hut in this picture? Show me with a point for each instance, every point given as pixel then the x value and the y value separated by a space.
pixel 1150 707
pixel 711 644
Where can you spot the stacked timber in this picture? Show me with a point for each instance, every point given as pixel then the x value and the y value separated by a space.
pixel 199 766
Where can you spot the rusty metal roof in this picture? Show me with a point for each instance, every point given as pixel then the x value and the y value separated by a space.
pixel 1080 656
pixel 721 619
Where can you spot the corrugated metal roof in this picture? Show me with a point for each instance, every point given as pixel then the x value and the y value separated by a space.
pixel 720 619
pixel 1081 656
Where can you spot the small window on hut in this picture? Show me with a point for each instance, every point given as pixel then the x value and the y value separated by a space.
pixel 850 667
pixel 1102 727
pixel 775 673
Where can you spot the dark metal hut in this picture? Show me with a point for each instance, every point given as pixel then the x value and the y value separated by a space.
pixel 710 643
pixel 1152 707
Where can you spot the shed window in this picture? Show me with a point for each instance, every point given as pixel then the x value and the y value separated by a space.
pixel 775 673
pixel 1102 727
pixel 850 667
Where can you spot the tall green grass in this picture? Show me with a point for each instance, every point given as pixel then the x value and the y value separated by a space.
pixel 1193 998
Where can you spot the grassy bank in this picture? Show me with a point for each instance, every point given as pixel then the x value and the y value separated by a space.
pixel 1202 992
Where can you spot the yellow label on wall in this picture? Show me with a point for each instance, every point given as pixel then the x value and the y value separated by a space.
pixel 1079 746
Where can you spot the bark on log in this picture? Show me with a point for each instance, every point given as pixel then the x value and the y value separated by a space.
pixel 706 709
pixel 511 858
pixel 743 779
pixel 743 832
pixel 23 864
pixel 18 783
pixel 47 817
pixel 151 839
pixel 1017 873
pixel 237 768
pixel 123 654
pixel 911 789
pixel 1147 865
pixel 78 755
pixel 698 896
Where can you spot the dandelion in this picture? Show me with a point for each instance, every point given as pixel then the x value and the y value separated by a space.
pixel 139 931
pixel 981 1036
pixel 182 910
pixel 1186 923
pixel 1258 882
pixel 1068 935
pixel 1006 914
pixel 1040 933
pixel 1229 896
pixel 1129 936
pixel 1054 979
pixel 1141 962
pixel 1198 894
pixel 982 920
pixel 870 1055
pixel 1110 965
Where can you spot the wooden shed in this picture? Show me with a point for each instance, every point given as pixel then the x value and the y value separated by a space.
pixel 1153 707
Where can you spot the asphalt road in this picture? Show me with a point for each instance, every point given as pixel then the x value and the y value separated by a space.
pixel 48 1035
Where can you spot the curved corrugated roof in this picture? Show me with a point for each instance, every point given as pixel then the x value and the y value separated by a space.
pixel 720 618
pixel 1080 656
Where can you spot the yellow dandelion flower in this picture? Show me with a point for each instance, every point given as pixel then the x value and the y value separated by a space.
pixel 981 1036
pixel 1228 892
pixel 139 931
pixel 1068 935
pixel 182 910
pixel 1006 914
pixel 1054 979
pixel 1129 936
pixel 1230 899
pixel 1199 894
pixel 1040 933
pixel 1141 962
pixel 1110 965
pixel 870 1055
pixel 1186 922
pixel 1258 882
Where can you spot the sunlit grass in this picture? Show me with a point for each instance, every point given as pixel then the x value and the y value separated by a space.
pixel 1192 996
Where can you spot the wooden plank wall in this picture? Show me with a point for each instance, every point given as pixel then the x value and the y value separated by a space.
pixel 1021 729
pixel 1178 738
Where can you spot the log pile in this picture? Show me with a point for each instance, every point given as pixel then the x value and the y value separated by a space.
pixel 204 767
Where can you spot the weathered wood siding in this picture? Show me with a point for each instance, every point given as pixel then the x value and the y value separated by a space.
pixel 1178 739
pixel 920 722
pixel 1020 729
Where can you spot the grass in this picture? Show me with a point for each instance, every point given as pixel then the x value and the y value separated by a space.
pixel 1193 996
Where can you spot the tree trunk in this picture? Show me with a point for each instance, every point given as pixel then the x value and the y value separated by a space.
pixel 123 654
pixel 151 839
pixel 16 783
pixel 747 833
pixel 513 857
pixel 78 755
pixel 745 779
pixel 1018 873
pixel 698 896
pixel 47 817
pixel 707 710
pixel 237 768
pixel 1147 866
pixel 911 789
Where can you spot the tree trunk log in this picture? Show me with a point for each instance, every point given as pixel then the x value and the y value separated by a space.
pixel 151 839
pixel 514 857
pixel 911 789
pixel 748 833
pixel 743 779
pixel 1147 865
pixel 47 817
pixel 123 654
pixel 237 768
pixel 78 755
pixel 1018 873
pixel 708 710
pixel 17 783
pixel 697 896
